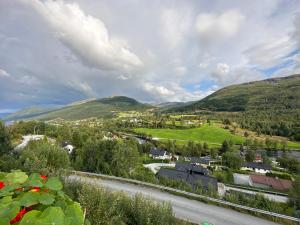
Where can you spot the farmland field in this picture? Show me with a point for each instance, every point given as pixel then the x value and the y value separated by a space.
pixel 211 134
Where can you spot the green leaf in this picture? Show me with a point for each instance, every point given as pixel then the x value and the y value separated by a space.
pixel 4 221
pixel 51 215
pixel 29 199
pixel 30 218
pixel 74 214
pixel 6 200
pixel 35 180
pixel 46 198
pixel 16 177
pixel 87 222
pixel 54 184
pixel 9 210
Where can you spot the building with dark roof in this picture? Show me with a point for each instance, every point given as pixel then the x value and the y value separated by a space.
pixel 159 154
pixel 204 161
pixel 191 178
pixel 257 167
pixel 188 167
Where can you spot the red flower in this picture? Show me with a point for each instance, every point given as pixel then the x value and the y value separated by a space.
pixel 43 177
pixel 2 185
pixel 18 216
pixel 35 189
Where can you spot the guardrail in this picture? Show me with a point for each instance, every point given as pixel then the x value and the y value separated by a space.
pixel 189 194
pixel 257 190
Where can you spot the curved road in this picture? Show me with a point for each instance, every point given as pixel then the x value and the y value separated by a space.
pixel 184 208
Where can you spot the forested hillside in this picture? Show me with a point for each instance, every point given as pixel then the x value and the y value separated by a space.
pixel 271 94
pixel 270 106
pixel 95 108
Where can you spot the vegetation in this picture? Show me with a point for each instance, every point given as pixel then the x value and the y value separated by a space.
pixel 5 144
pixel 105 207
pixel 36 200
pixel 211 134
pixel 271 106
pixel 95 108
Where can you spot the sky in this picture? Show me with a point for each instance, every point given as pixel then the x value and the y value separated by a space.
pixel 57 52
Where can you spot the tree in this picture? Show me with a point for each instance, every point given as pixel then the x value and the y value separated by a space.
pixel 250 155
pixel 5 145
pixel 225 147
pixel 295 193
pixel 125 158
pixel 42 157
pixel 232 160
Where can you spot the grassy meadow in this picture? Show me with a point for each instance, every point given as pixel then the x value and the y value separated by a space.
pixel 211 134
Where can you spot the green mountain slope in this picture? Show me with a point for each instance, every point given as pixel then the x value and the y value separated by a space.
pixel 95 108
pixel 28 113
pixel 271 94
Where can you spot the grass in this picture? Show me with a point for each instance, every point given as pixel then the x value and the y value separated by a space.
pixel 294 145
pixel 211 134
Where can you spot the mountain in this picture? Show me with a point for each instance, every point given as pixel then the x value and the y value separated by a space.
pixel 28 113
pixel 271 94
pixel 169 106
pixel 105 107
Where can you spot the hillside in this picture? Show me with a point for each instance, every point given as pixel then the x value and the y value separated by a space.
pixel 271 94
pixel 104 107
pixel 27 113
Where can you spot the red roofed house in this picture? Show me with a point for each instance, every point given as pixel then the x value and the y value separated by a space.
pixel 270 182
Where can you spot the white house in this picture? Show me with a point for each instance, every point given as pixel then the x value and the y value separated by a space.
pixel 159 154
pixel 257 167
pixel 67 146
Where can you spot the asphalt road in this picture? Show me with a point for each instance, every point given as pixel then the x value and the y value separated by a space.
pixel 186 209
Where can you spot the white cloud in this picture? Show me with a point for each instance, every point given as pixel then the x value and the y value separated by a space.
pixel 86 36
pixel 221 71
pixel 180 70
pixel 271 52
pixel 4 73
pixel 175 25
pixel 213 27
pixel 161 91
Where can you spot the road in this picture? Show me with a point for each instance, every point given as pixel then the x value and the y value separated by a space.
pixel 28 138
pixel 154 167
pixel 184 208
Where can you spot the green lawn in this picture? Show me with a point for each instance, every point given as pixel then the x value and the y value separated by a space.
pixel 211 134
pixel 294 145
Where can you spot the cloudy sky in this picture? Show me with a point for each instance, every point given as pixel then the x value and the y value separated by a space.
pixel 57 52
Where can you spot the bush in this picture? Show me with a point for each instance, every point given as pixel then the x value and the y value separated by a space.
pixel 36 200
pixel 104 207
pixel 280 175
pixel 40 156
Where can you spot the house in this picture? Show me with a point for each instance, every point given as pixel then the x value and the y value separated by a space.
pixel 191 168
pixel 257 167
pixel 270 182
pixel 258 158
pixel 191 178
pixel 67 146
pixel 159 154
pixel 203 161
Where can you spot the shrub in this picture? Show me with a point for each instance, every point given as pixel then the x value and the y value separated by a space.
pixel 40 156
pixel 36 200
pixel 104 207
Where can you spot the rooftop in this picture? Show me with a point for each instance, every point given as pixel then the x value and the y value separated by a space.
pixel 278 184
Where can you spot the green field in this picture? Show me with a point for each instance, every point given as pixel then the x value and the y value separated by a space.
pixel 211 134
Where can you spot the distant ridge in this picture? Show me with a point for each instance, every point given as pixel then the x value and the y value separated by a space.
pixel 104 107
pixel 273 93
